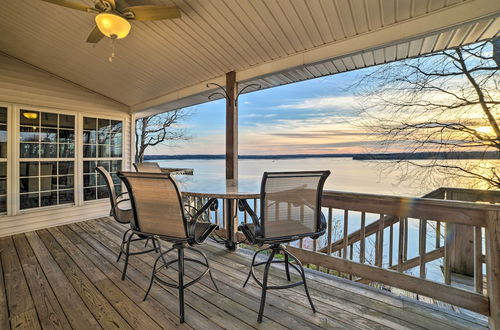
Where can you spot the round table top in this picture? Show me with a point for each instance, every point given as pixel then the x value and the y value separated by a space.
pixel 230 191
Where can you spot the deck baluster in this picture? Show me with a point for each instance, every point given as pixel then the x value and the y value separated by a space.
pixel 422 242
pixel 478 260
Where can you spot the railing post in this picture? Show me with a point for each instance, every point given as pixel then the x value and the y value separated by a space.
pixel 493 266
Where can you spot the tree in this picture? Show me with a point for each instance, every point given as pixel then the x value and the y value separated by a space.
pixel 153 130
pixel 443 102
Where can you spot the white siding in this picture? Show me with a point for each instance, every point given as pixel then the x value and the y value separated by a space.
pixel 22 84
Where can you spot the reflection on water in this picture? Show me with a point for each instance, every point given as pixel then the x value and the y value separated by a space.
pixel 347 175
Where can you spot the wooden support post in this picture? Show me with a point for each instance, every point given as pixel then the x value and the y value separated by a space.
pixel 493 266
pixel 231 127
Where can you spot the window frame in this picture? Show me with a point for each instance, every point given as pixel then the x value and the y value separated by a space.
pixel 14 160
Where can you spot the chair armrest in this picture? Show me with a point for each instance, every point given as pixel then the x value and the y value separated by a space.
pixel 243 205
pixel 120 195
pixel 112 212
pixel 211 201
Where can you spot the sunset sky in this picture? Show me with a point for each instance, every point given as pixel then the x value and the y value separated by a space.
pixel 313 116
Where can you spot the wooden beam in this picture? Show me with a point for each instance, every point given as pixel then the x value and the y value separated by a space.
pixel 231 127
pixel 493 266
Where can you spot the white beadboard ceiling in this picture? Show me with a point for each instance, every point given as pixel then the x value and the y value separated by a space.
pixel 164 65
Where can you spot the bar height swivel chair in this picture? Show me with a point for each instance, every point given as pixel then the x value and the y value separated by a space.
pixel 158 210
pixel 123 215
pixel 149 167
pixel 290 208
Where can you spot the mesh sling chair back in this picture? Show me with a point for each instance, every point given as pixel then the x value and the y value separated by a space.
pixel 290 208
pixel 123 215
pixel 148 167
pixel 158 211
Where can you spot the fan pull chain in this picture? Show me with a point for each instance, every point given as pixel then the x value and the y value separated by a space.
pixel 112 50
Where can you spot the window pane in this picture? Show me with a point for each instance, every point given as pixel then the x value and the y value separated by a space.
pixel 48 135
pixel 102 192
pixel 28 185
pixel 3 170
pixel 90 137
pixel 66 136
pixel 3 115
pixel 3 203
pixel 66 121
pixel 89 123
pixel 28 169
pixel 89 166
pixel 66 168
pixel 31 118
pixel 66 182
pixel 29 150
pixel 49 119
pixel 66 196
pixel 29 134
pixel 48 168
pixel 89 193
pixel 48 150
pixel 48 198
pixel 3 187
pixel 48 183
pixel 28 201
pixel 116 165
pixel 89 180
pixel 66 150
pixel 89 151
pixel 104 151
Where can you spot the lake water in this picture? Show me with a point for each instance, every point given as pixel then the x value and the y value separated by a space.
pixel 347 175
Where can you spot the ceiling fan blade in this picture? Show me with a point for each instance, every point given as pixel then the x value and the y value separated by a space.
pixel 149 13
pixel 95 36
pixel 70 4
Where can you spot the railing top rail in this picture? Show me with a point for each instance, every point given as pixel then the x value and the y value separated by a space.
pixel 468 213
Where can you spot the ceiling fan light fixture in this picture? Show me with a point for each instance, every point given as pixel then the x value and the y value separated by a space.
pixel 112 26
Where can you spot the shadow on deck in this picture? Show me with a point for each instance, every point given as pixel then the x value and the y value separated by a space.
pixel 68 277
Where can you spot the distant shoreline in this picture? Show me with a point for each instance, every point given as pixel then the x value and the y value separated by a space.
pixel 378 156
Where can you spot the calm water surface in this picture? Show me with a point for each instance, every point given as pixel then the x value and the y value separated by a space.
pixel 347 175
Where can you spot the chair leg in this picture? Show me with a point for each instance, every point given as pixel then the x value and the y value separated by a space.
pixel 123 243
pixel 208 266
pixel 147 241
pixel 287 267
pixel 302 273
pixel 154 244
pixel 251 266
pixel 181 283
pixel 127 252
pixel 264 286
pixel 152 276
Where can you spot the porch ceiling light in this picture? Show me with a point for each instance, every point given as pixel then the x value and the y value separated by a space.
pixel 112 26
pixel 30 115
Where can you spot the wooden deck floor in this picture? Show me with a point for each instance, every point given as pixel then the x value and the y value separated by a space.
pixel 67 277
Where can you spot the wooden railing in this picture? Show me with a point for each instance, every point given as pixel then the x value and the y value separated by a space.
pixel 394 240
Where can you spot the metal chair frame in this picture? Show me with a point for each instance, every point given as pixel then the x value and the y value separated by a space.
pixel 179 243
pixel 276 244
pixel 125 244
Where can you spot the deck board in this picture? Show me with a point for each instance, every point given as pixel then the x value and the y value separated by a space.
pixel 68 277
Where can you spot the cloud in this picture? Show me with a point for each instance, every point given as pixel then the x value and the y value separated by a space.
pixel 330 102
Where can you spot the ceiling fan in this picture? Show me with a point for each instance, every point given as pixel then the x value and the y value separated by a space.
pixel 113 16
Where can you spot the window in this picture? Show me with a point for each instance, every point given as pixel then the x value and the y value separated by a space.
pixel 47 152
pixel 3 160
pixel 102 146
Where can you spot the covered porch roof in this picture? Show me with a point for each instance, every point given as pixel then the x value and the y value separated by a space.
pixel 164 65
